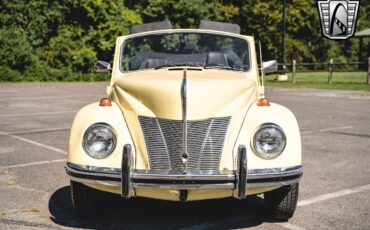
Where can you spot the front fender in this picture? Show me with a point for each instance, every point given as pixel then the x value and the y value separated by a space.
pixel 89 115
pixel 283 117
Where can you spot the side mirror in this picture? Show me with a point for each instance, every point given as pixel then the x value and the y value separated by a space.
pixel 270 66
pixel 103 67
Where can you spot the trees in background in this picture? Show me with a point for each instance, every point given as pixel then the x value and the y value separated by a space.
pixel 61 40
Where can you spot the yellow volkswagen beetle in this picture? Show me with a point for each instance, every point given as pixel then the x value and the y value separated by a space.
pixel 185 119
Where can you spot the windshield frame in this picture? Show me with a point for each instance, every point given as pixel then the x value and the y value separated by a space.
pixel 176 31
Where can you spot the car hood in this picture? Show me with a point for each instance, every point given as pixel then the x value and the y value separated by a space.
pixel 210 93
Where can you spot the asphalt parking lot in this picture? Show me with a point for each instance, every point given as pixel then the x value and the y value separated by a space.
pixel 34 189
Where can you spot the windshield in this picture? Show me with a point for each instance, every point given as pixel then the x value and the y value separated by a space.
pixel 185 49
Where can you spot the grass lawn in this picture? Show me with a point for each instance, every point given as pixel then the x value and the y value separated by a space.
pixel 318 80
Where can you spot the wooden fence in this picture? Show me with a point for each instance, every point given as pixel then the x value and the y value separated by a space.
pixel 330 66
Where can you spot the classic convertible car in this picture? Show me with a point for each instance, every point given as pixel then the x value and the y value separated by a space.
pixel 185 119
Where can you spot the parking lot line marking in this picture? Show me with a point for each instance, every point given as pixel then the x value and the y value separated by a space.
pixel 35 114
pixel 327 129
pixel 37 131
pixel 6 150
pixel 49 98
pixel 34 143
pixel 333 195
pixel 352 134
pixel 33 163
pixel 290 226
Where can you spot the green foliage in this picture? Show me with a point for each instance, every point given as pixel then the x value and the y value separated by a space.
pixel 184 13
pixel 38 19
pixel 16 54
pixel 58 40
pixel 70 49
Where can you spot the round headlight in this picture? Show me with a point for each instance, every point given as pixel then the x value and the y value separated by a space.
pixel 99 140
pixel 269 141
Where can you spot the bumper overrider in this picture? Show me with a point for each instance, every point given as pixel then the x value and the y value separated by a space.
pixel 239 180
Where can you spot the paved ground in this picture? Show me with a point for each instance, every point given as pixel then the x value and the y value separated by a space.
pixel 34 189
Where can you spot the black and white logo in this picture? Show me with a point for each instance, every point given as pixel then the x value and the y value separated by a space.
pixel 338 18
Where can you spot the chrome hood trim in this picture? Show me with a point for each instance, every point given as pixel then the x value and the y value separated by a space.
pixel 184 154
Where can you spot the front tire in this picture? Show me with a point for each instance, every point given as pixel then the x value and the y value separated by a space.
pixel 282 202
pixel 84 200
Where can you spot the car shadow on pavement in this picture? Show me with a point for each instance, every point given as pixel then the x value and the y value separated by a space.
pixel 141 213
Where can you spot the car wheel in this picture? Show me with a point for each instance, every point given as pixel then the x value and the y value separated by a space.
pixel 282 202
pixel 84 200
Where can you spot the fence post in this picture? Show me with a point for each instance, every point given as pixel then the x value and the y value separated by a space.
pixel 330 77
pixel 293 71
pixel 368 70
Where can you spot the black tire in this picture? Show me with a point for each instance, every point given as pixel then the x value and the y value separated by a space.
pixel 85 200
pixel 282 202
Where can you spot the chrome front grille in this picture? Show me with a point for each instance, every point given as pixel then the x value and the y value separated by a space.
pixel 205 140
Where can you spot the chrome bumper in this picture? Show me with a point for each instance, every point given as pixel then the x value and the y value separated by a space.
pixel 237 180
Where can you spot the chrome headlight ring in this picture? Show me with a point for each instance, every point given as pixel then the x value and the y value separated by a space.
pixel 99 140
pixel 269 141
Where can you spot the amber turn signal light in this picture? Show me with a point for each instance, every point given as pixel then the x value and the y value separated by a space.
pixel 105 102
pixel 263 102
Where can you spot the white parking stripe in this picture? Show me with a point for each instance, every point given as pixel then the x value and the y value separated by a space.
pixel 34 143
pixel 333 195
pixel 37 131
pixel 33 163
pixel 290 226
pixel 35 114
pixel 48 98
pixel 327 129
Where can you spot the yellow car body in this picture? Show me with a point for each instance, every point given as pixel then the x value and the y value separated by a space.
pixel 212 95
